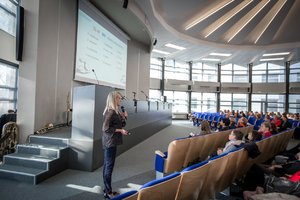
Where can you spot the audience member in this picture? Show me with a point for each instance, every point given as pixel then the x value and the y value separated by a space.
pixel 265 130
pixel 254 136
pixel 232 124
pixel 204 129
pixel 285 123
pixel 224 124
pixel 273 129
pixel 10 116
pixel 235 141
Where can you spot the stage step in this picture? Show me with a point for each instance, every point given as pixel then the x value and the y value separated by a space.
pixel 35 162
pixel 19 173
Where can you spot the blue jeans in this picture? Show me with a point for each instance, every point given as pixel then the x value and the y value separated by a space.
pixel 108 166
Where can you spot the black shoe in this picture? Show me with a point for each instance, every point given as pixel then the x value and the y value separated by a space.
pixel 110 195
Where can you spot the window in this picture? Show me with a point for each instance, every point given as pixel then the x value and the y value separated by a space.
pixel 179 100
pixel 294 103
pixel 295 72
pixel 8 87
pixel 268 73
pixel 275 103
pixel 276 73
pixel 268 102
pixel 156 68
pixel 234 102
pixel 204 72
pixel 8 16
pixel 234 73
pixel 154 95
pixel 177 70
pixel 203 102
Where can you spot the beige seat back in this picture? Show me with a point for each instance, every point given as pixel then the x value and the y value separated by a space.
pixel 192 181
pixel 208 146
pixel 165 190
pixel 194 149
pixel 176 155
pixel 216 170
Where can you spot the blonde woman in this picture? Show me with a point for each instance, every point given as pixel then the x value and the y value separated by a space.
pixel 113 130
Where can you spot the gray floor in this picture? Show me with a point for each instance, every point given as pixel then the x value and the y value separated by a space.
pixel 132 169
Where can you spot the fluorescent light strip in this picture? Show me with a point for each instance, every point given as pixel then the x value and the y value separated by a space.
pixel 270 59
pixel 220 54
pixel 161 52
pixel 210 59
pixel 206 15
pixel 227 18
pixel 267 25
pixel 174 46
pixel 276 54
pixel 247 21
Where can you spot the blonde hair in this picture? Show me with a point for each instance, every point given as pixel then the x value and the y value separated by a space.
pixel 111 102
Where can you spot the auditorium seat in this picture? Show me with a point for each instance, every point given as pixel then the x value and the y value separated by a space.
pixel 194 149
pixel 208 146
pixel 174 159
pixel 131 195
pixel 192 181
pixel 230 171
pixel 215 173
pixel 243 163
pixel 222 138
pixel 160 189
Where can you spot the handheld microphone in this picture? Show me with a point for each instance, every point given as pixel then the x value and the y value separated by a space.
pixel 96 76
pixel 123 110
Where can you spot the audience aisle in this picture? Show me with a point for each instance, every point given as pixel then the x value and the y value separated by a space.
pixel 135 166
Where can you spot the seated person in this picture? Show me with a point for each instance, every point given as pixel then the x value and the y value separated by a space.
pixel 242 122
pixel 205 128
pixel 273 129
pixel 253 136
pixel 256 175
pixel 235 141
pixel 285 123
pixel 277 121
pixel 232 124
pixel 224 124
pixel 10 116
pixel 265 130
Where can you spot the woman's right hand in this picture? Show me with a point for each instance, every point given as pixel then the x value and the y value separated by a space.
pixel 124 132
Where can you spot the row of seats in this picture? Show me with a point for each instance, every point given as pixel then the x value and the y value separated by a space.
pixel 184 151
pixel 203 180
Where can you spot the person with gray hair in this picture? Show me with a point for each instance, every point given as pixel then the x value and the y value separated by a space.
pixel 112 132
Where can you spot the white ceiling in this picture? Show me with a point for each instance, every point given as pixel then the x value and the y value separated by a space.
pixel 275 27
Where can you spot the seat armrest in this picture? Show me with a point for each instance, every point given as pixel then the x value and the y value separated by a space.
pixel 161 154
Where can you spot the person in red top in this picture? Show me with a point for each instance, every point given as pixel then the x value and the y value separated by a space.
pixel 277 121
pixel 265 129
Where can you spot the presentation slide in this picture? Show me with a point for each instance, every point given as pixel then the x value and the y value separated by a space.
pixel 101 57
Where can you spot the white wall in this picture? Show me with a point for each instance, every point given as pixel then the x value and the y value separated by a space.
pixel 46 72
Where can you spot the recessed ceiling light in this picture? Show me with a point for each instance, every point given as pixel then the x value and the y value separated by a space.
pixel 276 54
pixel 270 59
pixel 159 51
pixel 220 54
pixel 174 46
pixel 211 59
pixel 208 13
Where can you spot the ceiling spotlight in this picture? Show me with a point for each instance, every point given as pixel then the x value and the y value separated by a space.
pixel 174 46
pixel 161 52
pixel 270 59
pixel 276 54
pixel 210 59
pixel 220 54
